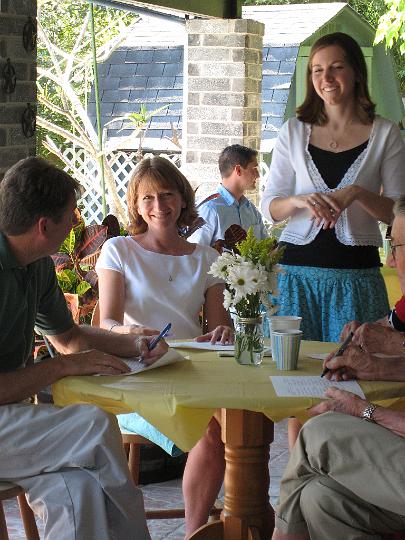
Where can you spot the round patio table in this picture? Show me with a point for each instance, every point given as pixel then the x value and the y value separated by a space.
pixel 181 398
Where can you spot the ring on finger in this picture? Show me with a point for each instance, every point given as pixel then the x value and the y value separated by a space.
pixel 314 203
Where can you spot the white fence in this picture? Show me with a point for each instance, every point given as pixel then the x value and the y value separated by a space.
pixel 122 164
pixel 87 171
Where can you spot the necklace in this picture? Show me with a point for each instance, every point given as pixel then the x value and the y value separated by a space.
pixel 170 277
pixel 334 141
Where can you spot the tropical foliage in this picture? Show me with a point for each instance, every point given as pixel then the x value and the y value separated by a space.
pixel 74 265
pixel 392 25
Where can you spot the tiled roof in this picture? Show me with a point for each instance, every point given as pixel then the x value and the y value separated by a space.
pixel 148 69
pixel 291 24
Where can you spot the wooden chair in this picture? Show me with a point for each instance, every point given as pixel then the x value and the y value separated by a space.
pixel 9 491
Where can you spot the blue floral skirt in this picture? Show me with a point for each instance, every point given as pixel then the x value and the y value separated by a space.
pixel 135 423
pixel 328 298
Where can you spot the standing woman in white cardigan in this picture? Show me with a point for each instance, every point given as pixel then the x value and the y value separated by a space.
pixel 335 171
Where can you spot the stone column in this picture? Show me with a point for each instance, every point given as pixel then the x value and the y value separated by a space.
pixel 14 145
pixel 223 73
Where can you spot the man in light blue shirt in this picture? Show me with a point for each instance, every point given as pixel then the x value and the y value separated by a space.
pixel 228 205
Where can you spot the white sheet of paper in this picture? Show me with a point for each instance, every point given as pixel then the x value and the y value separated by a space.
pixel 170 357
pixel 311 386
pixel 318 356
pixel 204 345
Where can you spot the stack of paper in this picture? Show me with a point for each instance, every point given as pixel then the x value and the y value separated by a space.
pixel 311 386
pixel 222 350
pixel 170 357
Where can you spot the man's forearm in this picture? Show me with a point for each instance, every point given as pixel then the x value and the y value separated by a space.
pixel 83 337
pixel 23 383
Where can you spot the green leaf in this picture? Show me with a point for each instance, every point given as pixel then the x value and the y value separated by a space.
pixel 82 288
pixel 68 280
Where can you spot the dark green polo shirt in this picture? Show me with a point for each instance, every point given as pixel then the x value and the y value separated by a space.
pixel 29 296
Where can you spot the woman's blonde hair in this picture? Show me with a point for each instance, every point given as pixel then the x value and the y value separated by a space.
pixel 154 172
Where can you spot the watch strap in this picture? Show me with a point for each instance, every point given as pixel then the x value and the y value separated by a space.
pixel 367 414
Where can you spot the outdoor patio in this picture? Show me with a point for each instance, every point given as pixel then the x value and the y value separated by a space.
pixel 168 495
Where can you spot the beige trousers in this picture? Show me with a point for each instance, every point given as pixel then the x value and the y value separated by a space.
pixel 345 481
pixel 72 464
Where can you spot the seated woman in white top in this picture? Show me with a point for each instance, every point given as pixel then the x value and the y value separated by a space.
pixel 155 277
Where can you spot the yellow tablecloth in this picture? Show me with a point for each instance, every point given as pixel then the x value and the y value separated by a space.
pixel 180 399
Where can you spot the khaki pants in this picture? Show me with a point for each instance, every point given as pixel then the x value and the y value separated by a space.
pixel 72 464
pixel 345 481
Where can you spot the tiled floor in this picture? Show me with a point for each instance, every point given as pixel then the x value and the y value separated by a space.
pixel 168 494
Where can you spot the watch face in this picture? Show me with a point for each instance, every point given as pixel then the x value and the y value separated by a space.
pixel 368 412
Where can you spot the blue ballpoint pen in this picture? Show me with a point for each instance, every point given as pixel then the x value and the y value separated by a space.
pixel 153 342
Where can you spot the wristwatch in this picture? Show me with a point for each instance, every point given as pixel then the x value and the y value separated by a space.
pixel 367 414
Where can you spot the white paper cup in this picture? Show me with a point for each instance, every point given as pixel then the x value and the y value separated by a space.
pixel 282 323
pixel 285 348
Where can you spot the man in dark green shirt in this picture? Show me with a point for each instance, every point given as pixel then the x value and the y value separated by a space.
pixel 69 460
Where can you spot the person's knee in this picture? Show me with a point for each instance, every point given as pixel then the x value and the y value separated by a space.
pixel 212 436
pixel 322 428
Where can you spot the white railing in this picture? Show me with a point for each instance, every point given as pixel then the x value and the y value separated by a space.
pixel 87 171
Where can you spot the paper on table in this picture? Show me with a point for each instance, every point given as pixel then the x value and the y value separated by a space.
pixel 204 345
pixel 267 352
pixel 312 386
pixel 318 356
pixel 170 357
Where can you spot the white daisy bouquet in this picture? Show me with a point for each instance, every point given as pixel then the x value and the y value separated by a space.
pixel 250 276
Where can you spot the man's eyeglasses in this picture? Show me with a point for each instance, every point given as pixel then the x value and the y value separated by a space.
pixel 393 248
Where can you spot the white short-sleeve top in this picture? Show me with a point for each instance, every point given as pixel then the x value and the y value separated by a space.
pixel 161 288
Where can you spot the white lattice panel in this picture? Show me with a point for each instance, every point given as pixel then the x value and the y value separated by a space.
pixel 86 171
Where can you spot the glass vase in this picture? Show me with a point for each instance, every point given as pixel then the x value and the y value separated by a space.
pixel 249 346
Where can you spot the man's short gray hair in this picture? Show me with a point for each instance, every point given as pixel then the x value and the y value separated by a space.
pixel 399 206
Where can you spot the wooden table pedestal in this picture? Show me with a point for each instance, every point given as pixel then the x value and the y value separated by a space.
pixel 247 513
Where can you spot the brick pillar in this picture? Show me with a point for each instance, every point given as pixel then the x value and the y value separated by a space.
pixel 222 94
pixel 13 143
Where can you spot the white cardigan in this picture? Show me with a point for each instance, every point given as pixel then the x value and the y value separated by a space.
pixel 379 168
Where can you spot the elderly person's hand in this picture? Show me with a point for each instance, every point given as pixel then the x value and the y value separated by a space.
pixel 353 364
pixel 222 334
pixel 376 338
pixel 340 401
pixel 150 356
pixel 349 327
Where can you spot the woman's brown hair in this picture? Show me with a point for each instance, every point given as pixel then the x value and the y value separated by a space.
pixel 312 109
pixel 159 172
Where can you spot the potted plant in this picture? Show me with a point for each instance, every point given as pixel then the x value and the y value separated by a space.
pixel 250 274
pixel 74 264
